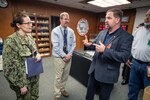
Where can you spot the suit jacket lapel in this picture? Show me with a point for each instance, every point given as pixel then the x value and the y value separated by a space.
pixel 103 36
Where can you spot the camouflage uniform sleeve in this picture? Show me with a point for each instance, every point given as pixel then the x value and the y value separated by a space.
pixel 13 64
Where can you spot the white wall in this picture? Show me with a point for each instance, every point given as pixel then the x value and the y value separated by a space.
pixel 140 16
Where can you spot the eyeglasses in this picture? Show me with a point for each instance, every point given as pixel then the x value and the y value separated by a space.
pixel 28 22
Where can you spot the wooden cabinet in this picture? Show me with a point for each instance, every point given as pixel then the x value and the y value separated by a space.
pixel 41 34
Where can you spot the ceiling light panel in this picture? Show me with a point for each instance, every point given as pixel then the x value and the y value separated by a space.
pixel 108 3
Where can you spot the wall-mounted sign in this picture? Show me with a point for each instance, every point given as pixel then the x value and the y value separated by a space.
pixel 125 19
pixel 3 3
pixel 102 19
pixel 82 26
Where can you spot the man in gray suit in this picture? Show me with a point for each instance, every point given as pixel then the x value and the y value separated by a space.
pixel 112 47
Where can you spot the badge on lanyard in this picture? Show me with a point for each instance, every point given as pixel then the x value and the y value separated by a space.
pixel 148 43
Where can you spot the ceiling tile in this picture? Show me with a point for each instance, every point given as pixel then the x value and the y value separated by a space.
pixel 92 8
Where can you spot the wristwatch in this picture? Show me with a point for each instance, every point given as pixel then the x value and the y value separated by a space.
pixel 3 3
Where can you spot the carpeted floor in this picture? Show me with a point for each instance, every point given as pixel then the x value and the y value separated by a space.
pixel 77 91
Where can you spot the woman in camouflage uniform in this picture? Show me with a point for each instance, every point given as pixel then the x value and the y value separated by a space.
pixel 17 47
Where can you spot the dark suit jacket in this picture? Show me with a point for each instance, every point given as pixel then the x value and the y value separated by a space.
pixel 107 64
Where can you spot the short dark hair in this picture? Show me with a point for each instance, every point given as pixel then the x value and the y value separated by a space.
pixel 117 12
pixel 18 18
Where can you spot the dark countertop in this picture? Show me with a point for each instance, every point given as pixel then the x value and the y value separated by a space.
pixel 84 53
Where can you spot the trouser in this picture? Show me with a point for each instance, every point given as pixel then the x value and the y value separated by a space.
pixel 62 70
pixel 138 78
pixel 104 89
pixel 32 89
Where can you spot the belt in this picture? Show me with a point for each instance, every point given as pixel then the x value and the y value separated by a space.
pixel 141 62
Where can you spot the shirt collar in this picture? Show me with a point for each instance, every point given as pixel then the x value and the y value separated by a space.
pixel 63 28
pixel 114 31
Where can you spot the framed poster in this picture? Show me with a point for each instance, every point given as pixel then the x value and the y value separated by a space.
pixel 102 19
pixel 3 3
pixel 82 26
pixel 125 19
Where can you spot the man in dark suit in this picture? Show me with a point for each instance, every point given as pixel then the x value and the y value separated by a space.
pixel 112 47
